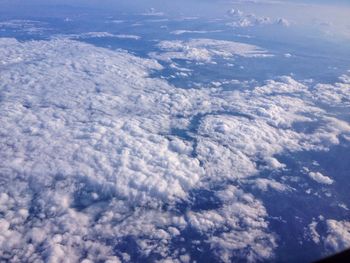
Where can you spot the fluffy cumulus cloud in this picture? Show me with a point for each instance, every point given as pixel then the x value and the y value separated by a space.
pixel 239 211
pixel 78 139
pixel 240 19
pixel 338 94
pixel 320 178
pixel 97 155
pixel 336 237
pixel 204 50
pixel 86 156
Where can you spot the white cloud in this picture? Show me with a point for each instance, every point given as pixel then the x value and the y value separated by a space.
pixel 320 178
pixel 240 19
pixel 28 26
pixel 243 214
pixel 264 185
pixel 338 235
pixel 205 50
pixel 124 36
pixel 181 32
pixel 90 157
pixel 97 35
pixel 338 93
pixel 313 233
pixel 82 133
pixel 153 12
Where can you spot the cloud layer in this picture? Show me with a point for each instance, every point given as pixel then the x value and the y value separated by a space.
pixel 95 154
pixel 204 50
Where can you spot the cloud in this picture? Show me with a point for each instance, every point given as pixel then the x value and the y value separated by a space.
pixel 205 50
pixel 240 19
pixel 83 136
pixel 337 94
pixel 181 32
pixel 97 35
pixel 336 237
pixel 320 178
pixel 267 184
pixel 97 154
pixel 314 235
pixel 30 27
pixel 153 12
pixel 240 210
